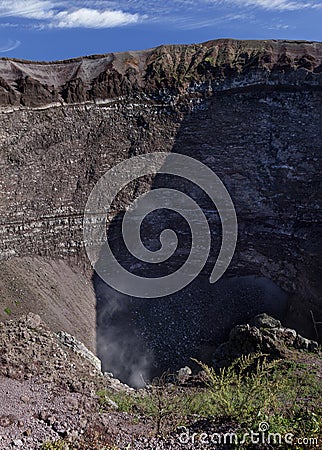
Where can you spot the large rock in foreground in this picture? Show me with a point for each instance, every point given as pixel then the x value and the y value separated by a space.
pixel 263 334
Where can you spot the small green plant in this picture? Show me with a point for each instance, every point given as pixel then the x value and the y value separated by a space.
pixel 8 311
pixel 210 59
pixel 134 403
pixel 61 444
pixel 167 403
pixel 56 445
pixel 286 394
pixel 245 390
pixel 162 401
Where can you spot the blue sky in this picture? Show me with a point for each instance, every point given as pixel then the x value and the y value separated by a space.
pixel 50 30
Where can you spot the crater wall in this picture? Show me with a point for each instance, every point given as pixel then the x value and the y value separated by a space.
pixel 252 111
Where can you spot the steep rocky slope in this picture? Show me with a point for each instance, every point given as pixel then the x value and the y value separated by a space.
pixel 52 289
pixel 251 110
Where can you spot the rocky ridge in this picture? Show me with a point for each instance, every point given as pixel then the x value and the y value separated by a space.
pixel 163 73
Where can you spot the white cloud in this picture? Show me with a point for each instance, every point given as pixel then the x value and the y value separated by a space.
pixel 29 9
pixel 190 24
pixel 278 26
pixel 92 18
pixel 112 13
pixel 280 5
pixel 64 14
pixel 184 5
pixel 277 5
pixel 9 46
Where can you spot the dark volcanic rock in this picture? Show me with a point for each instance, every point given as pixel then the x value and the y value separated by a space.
pixel 7 94
pixel 33 93
pixel 263 334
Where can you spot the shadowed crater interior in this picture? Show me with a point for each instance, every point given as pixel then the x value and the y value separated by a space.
pixel 140 338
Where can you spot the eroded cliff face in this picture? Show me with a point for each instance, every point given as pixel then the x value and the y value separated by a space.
pixel 252 111
pixel 161 73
